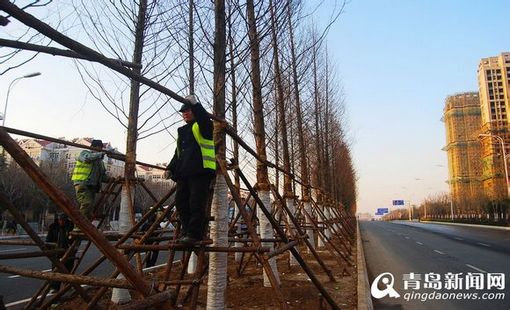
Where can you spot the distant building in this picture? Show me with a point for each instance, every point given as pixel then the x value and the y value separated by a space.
pixel 462 123
pixel 42 151
pixel 493 82
pixel 152 174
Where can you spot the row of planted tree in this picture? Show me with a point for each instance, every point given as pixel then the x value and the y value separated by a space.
pixel 273 91
pixel 440 207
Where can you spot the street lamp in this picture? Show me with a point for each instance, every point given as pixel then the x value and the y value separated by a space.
pixel 9 90
pixel 482 135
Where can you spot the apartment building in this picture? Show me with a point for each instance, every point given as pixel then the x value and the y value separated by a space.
pixel 152 174
pixel 493 82
pixel 462 118
pixel 42 151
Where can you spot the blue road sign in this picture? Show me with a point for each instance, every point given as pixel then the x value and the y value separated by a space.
pixel 398 202
pixel 382 210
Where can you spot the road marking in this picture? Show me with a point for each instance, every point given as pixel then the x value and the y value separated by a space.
pixel 407 237
pixel 484 244
pixel 419 243
pixel 153 267
pixel 13 250
pixel 439 252
pixel 18 276
pixel 459 238
pixel 475 268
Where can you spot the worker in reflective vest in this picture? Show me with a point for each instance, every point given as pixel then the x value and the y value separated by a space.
pixel 193 168
pixel 87 176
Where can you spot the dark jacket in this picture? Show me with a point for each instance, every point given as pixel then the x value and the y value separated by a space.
pixel 59 234
pixel 187 160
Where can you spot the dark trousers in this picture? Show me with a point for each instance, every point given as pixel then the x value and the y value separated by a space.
pixel 152 257
pixel 69 264
pixel 191 197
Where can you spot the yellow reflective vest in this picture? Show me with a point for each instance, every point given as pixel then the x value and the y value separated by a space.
pixel 206 148
pixel 81 171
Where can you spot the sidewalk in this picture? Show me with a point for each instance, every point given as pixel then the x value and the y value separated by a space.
pixel 24 236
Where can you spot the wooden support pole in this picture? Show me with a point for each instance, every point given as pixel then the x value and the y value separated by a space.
pixel 35 173
pixel 282 249
pixel 150 302
pixel 302 233
pixel 35 237
pixel 252 233
pixel 294 252
pixel 64 277
pixel 163 247
pixel 49 253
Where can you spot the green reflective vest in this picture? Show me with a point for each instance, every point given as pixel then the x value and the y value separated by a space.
pixel 206 148
pixel 81 171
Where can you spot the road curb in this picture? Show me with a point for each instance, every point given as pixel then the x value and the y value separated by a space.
pixel 469 225
pixel 364 296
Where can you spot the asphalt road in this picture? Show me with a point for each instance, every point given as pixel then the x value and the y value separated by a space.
pixel 402 248
pixel 15 288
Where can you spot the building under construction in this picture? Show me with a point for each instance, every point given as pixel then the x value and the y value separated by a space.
pixel 462 121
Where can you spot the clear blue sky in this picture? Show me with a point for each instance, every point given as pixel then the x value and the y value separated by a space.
pixel 398 61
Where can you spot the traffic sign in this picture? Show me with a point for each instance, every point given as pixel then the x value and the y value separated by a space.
pixel 382 210
pixel 398 202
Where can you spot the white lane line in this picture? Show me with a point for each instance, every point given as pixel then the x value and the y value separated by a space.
pixel 18 276
pixel 439 252
pixel 407 237
pixel 459 238
pixel 484 244
pixel 153 267
pixel 475 268
pixel 419 243
pixel 13 250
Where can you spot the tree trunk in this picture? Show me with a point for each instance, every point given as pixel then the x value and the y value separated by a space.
pixel 237 181
pixel 303 163
pixel 287 183
pixel 126 214
pixel 266 230
pixel 193 260
pixel 217 280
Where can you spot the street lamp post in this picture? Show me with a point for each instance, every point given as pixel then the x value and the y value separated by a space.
pixel 9 90
pixel 504 157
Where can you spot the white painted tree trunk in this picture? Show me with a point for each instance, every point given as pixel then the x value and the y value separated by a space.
pixel 266 231
pixel 192 264
pixel 217 280
pixel 309 231
pixel 237 255
pixel 327 214
pixel 320 242
pixel 292 209
pixel 121 295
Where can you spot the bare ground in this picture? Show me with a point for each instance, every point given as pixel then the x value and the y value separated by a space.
pixel 246 291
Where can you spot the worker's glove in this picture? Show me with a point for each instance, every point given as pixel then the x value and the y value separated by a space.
pixel 191 99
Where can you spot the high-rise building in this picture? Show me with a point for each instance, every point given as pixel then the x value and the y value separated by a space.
pixel 462 121
pixel 493 82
